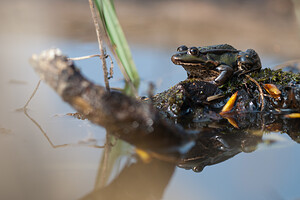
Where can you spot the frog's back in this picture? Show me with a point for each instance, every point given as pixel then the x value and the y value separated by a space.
pixel 223 53
pixel 218 47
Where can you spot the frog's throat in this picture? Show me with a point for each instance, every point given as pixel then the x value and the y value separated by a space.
pixel 196 63
pixel 197 66
pixel 204 75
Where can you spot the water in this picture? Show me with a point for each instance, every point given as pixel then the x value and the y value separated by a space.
pixel 31 169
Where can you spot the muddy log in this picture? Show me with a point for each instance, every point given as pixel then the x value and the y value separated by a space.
pixel 121 115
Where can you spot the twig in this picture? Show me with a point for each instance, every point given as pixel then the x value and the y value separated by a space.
pixel 85 57
pixel 215 97
pixel 124 116
pixel 101 48
pixel 120 64
pixel 32 95
pixel 262 99
pixel 151 88
pixel 44 133
pixel 49 140
pixel 111 69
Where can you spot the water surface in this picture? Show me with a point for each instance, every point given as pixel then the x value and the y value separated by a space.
pixel 32 169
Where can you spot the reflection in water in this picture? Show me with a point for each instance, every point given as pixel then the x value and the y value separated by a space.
pixel 5 131
pixel 24 109
pixel 82 142
pixel 213 147
pixel 217 142
pixel 140 180
pixel 137 181
pixel 213 144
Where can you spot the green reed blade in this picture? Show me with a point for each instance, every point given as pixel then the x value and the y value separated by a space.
pixel 117 38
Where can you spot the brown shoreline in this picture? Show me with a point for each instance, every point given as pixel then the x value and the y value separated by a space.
pixel 165 23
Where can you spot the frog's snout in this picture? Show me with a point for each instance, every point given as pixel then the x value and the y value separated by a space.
pixel 175 59
pixel 179 58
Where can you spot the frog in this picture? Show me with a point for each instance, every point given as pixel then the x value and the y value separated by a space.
pixel 217 63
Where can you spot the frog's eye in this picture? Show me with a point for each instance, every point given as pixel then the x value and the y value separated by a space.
pixel 194 51
pixel 182 48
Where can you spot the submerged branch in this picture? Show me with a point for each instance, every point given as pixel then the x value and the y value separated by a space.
pixel 126 117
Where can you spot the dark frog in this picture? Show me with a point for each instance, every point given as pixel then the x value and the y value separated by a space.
pixel 217 63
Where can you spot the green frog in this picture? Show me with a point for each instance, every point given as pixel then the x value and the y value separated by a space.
pixel 217 63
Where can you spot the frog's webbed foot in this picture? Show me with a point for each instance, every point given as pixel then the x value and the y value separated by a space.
pixel 226 73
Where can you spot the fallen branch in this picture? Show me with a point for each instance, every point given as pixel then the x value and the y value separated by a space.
pixel 128 118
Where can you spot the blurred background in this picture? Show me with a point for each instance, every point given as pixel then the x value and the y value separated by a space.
pixel 31 169
pixel 269 26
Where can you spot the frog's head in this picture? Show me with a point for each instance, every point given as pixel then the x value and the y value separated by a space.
pixel 188 56
pixel 248 61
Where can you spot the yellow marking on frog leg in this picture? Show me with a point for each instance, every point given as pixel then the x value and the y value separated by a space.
pixel 229 105
pixel 82 105
pixel 293 115
pixel 272 90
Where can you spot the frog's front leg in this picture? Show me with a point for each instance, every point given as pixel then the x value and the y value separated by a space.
pixel 225 73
